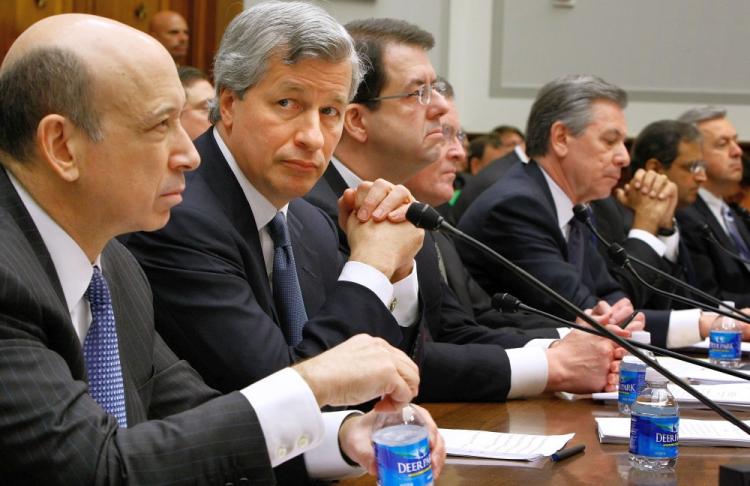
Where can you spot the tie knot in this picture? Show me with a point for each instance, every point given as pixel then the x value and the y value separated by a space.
pixel 97 292
pixel 278 230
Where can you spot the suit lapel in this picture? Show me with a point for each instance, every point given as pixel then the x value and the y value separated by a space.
pixel 713 223
pixel 305 259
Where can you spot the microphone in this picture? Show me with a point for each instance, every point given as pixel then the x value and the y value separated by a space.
pixel 709 235
pixel 508 303
pixel 618 255
pixel 428 218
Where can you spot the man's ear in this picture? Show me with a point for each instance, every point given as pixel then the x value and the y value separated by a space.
pixel 355 122
pixel 559 138
pixel 227 100
pixel 655 165
pixel 58 145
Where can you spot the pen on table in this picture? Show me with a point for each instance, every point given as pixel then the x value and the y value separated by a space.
pixel 566 453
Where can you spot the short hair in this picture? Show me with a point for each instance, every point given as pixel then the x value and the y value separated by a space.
pixel 292 30
pixel 660 140
pixel 371 37
pixel 44 81
pixel 567 99
pixel 477 146
pixel 189 75
pixel 501 130
pixel 702 113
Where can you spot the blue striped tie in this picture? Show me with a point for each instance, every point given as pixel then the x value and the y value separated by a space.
pixel 101 353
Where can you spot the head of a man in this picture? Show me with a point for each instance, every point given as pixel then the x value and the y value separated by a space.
pixel 393 123
pixel 721 151
pixel 672 148
pixel 198 96
pixel 171 29
pixel 94 134
pixel 284 74
pixel 510 137
pixel 576 131
pixel 434 183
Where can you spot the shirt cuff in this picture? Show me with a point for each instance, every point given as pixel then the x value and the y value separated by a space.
pixel 671 246
pixel 563 331
pixel 683 328
pixel 649 239
pixel 325 461
pixel 288 414
pixel 528 371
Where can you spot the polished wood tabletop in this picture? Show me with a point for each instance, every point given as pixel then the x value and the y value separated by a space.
pixel 600 464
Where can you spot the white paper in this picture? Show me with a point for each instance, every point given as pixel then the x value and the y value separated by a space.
pixel 735 396
pixel 691 432
pixel 498 445
pixel 705 344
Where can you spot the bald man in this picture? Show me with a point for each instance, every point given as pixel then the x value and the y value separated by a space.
pixel 171 29
pixel 90 393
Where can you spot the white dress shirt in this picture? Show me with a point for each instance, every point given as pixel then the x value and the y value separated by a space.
pixel 683 324
pixel 285 405
pixel 715 205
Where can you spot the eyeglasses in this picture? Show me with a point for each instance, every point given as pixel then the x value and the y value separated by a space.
pixel 697 166
pixel 450 132
pixel 423 93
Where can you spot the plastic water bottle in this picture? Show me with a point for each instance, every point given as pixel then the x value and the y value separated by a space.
pixel 654 423
pixel 402 448
pixel 725 342
pixel 632 374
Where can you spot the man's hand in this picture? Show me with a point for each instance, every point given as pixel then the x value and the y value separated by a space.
pixel 653 199
pixel 355 437
pixel 360 369
pixel 617 313
pixel 377 200
pixel 705 322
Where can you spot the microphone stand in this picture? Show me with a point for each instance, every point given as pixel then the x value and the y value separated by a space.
pixel 710 236
pixel 424 216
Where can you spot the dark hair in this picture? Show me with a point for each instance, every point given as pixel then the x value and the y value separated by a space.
pixel 189 74
pixel 477 146
pixel 660 140
pixel 371 36
pixel 501 130
pixel 42 82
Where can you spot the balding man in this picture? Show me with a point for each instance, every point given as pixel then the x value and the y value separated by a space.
pixel 171 29
pixel 90 393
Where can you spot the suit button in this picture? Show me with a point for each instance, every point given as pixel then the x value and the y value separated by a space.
pixel 228 484
pixel 244 481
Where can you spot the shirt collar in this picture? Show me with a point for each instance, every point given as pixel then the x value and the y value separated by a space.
pixel 263 210
pixel 351 179
pixel 563 204
pixel 521 154
pixel 711 200
pixel 74 270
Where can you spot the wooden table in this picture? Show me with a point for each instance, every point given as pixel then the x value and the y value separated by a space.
pixel 600 464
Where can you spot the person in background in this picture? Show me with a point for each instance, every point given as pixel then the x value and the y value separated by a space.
pixel 198 96
pixel 171 29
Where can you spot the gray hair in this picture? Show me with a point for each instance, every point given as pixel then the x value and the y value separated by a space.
pixel 567 99
pixel 293 30
pixel 702 113
pixel 44 81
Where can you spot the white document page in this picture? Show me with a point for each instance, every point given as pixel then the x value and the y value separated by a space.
pixel 692 432
pixel 498 445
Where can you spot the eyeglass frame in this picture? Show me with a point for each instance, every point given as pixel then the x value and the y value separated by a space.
pixel 440 87
pixel 697 166
pixel 449 132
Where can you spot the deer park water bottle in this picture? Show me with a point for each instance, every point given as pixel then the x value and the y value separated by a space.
pixel 654 423
pixel 725 342
pixel 632 374
pixel 402 448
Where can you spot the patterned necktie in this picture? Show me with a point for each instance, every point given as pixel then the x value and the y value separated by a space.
pixel 575 243
pixel 286 290
pixel 101 353
pixel 734 233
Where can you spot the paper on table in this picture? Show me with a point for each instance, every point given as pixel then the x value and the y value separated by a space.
pixel 498 445
pixel 705 344
pixel 735 396
pixel 691 432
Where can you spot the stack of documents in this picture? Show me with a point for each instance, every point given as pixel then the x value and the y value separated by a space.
pixel 497 445
pixel 692 432
pixel 733 396
pixel 705 344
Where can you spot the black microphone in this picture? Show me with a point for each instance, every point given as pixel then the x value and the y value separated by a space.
pixel 709 235
pixel 508 303
pixel 621 258
pixel 429 218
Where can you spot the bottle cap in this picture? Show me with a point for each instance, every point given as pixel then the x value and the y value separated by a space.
pixel 643 337
pixel 653 376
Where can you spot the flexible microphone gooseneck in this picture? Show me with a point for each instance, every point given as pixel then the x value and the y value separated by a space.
pixel 709 235
pixel 618 255
pixel 423 216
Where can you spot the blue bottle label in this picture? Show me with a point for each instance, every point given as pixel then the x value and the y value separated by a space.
pixel 654 436
pixel 631 383
pixel 725 345
pixel 404 465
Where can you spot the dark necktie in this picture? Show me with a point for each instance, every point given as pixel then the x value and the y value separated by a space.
pixel 734 233
pixel 575 244
pixel 101 352
pixel 286 290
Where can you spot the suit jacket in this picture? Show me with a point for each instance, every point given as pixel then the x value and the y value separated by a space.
pixel 516 217
pixel 53 432
pixel 212 295
pixel 613 221
pixel 482 181
pixel 717 273
pixel 462 360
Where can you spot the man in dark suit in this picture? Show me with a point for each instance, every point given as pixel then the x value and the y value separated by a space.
pixel 392 130
pixel 211 267
pixel 90 393
pixel 575 137
pixel 718 273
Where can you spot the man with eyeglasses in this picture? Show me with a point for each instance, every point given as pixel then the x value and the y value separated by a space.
pixel 717 272
pixel 392 130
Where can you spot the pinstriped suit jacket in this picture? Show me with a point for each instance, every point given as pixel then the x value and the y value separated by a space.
pixel 52 431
